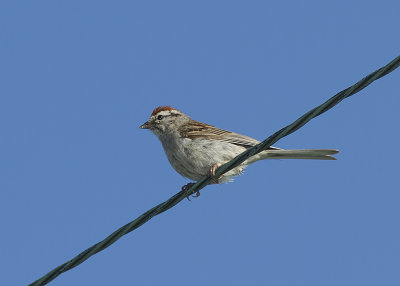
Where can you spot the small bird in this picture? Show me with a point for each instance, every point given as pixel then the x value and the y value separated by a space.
pixel 195 149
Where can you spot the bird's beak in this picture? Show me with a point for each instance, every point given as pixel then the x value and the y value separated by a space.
pixel 145 125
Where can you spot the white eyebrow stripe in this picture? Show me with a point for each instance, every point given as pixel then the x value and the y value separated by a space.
pixel 167 112
pixel 175 111
pixel 164 112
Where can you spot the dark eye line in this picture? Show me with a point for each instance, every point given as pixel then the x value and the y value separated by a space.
pixel 161 117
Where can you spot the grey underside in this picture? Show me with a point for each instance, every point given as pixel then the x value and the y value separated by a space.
pixel 202 146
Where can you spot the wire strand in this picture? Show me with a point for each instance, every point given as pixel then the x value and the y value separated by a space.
pixel 221 170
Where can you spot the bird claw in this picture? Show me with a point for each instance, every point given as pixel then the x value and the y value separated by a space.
pixel 212 172
pixel 186 187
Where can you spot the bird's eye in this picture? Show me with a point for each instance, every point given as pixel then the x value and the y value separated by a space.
pixel 160 117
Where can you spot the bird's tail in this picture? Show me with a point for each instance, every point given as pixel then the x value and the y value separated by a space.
pixel 315 154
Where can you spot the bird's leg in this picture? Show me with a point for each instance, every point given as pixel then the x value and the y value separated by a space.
pixel 186 187
pixel 212 172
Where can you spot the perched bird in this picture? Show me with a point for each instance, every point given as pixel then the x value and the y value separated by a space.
pixel 196 149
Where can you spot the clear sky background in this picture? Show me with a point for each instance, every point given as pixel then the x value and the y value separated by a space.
pixel 79 77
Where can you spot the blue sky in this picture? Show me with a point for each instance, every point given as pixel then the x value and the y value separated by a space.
pixel 79 77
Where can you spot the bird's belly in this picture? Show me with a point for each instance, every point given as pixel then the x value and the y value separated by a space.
pixel 193 158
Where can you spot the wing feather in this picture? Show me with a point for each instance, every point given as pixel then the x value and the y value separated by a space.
pixel 195 129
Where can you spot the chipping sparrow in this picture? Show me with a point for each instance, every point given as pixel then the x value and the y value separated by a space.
pixel 196 149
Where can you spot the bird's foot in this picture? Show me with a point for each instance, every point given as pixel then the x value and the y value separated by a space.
pixel 186 187
pixel 212 173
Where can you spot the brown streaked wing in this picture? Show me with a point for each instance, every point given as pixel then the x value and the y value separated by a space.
pixel 195 129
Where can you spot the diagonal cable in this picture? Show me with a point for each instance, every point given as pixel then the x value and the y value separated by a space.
pixel 221 170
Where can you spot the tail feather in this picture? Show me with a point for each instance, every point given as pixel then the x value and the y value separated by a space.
pixel 315 154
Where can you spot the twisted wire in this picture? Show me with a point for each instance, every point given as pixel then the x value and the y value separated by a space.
pixel 221 170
